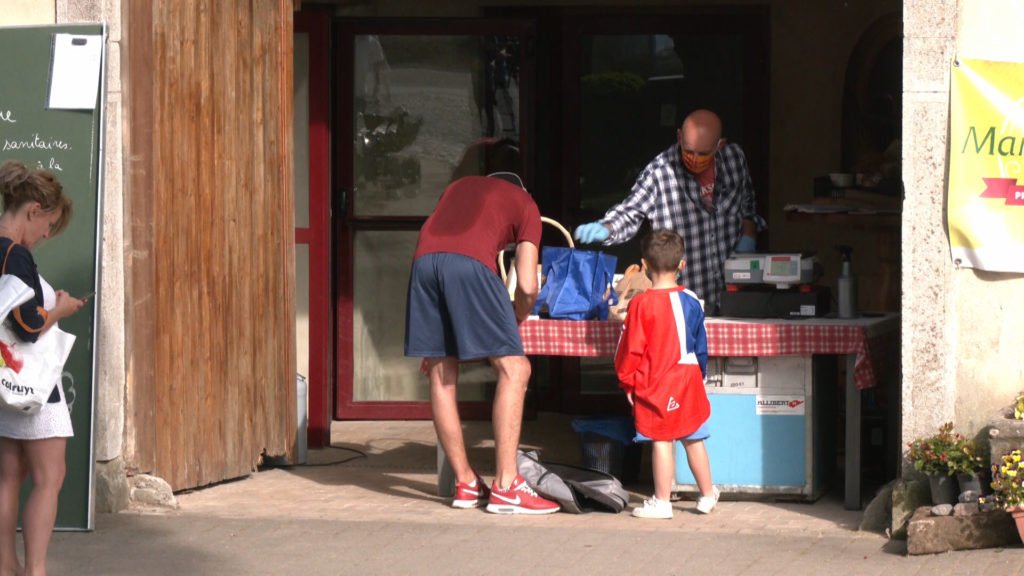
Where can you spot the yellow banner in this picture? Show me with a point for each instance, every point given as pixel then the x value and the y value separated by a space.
pixel 985 211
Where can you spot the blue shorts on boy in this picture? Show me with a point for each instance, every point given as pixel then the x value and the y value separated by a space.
pixel 458 307
pixel 701 433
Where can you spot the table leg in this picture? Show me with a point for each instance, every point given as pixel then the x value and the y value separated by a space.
pixel 852 498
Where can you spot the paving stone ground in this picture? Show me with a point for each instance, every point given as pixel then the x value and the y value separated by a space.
pixel 380 514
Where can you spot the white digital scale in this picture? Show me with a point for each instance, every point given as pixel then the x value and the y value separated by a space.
pixel 783 269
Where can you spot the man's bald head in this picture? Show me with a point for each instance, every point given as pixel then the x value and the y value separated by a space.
pixel 701 132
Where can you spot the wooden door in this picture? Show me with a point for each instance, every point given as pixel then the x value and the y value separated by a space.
pixel 209 238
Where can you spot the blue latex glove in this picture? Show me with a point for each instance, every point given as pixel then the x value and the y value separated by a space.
pixel 745 244
pixel 590 233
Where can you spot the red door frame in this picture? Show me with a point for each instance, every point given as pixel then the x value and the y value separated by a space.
pixel 318 235
pixel 346 407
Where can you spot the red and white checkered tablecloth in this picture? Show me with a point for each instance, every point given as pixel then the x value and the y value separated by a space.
pixel 871 339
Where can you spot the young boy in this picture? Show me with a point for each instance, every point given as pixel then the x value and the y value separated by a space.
pixel 661 363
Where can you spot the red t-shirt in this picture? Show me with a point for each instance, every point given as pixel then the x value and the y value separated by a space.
pixel 706 179
pixel 478 217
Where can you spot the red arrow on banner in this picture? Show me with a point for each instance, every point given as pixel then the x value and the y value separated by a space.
pixel 1005 188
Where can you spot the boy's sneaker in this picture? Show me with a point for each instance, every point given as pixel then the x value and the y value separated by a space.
pixel 654 508
pixel 471 495
pixel 519 498
pixel 705 504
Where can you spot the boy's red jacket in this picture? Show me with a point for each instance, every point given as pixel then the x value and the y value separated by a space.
pixel 662 359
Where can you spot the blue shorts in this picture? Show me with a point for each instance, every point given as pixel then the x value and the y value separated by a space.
pixel 700 433
pixel 457 307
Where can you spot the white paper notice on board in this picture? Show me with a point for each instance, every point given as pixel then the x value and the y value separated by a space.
pixel 75 71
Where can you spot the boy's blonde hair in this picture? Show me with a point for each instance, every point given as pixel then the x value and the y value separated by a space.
pixel 662 250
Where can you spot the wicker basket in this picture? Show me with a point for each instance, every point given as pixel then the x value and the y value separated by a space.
pixel 509 277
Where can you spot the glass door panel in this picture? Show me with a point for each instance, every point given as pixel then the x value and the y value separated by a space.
pixel 301 186
pixel 381 372
pixel 421 103
pixel 417 98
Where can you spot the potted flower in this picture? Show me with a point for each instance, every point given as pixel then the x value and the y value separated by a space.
pixel 1006 430
pixel 938 457
pixel 966 464
pixel 1008 487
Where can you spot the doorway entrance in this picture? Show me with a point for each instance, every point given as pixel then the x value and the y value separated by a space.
pixel 587 98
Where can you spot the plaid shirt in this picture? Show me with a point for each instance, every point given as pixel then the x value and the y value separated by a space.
pixel 669 196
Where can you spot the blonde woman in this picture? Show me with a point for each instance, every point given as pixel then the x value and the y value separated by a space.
pixel 34 209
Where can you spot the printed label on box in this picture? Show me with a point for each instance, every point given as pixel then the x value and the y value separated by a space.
pixel 781 405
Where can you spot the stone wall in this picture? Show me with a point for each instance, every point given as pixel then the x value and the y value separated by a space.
pixel 108 414
pixel 961 327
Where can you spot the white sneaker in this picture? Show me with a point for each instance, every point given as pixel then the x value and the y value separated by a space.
pixel 654 508
pixel 705 504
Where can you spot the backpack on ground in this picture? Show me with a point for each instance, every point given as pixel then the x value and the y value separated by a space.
pixel 575 488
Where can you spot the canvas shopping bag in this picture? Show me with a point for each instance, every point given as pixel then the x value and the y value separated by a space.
pixel 28 370
pixel 508 277
pixel 577 284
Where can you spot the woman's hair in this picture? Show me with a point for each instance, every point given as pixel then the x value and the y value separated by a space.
pixel 20 185
pixel 662 249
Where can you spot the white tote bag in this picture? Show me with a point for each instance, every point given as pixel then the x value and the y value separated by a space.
pixel 28 370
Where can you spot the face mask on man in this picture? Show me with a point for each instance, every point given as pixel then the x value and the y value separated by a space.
pixel 697 162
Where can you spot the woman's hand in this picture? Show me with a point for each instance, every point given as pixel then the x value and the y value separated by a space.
pixel 66 305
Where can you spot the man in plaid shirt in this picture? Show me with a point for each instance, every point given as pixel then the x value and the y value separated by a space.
pixel 700 188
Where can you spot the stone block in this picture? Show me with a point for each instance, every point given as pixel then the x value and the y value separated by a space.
pixel 966 509
pixel 926 63
pixel 1005 435
pixel 929 18
pixel 907 496
pixel 112 490
pixel 149 490
pixel 878 513
pixel 927 534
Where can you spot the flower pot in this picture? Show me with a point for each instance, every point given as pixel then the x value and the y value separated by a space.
pixel 1018 519
pixel 943 489
pixel 969 482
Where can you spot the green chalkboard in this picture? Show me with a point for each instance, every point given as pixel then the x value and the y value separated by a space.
pixel 68 143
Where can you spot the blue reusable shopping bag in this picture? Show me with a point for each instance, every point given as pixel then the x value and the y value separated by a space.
pixel 576 284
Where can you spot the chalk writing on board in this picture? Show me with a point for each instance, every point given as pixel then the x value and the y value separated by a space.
pixel 7 116
pixel 36 142
pixel 52 165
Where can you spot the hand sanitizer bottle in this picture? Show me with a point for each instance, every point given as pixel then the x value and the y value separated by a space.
pixel 847 286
